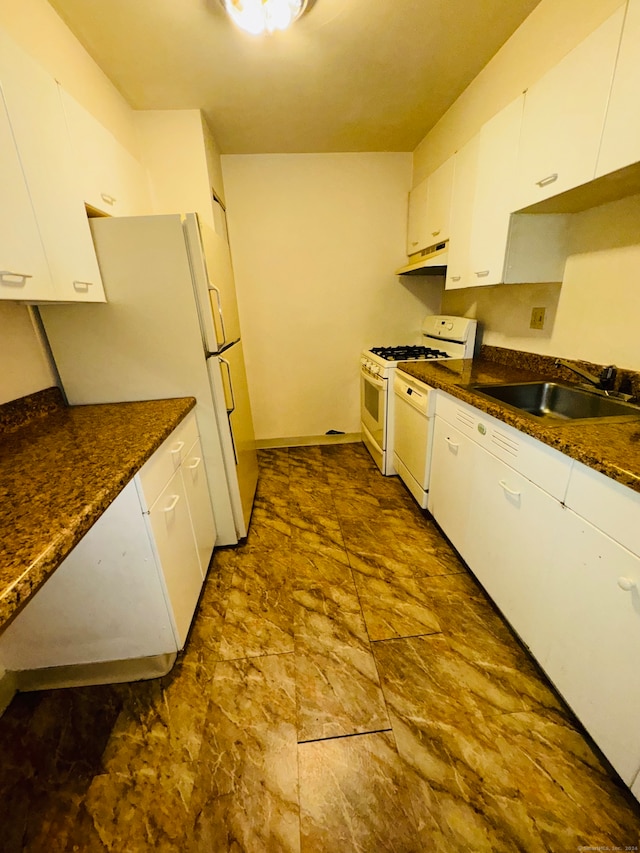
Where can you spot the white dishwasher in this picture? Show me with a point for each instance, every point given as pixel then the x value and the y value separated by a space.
pixel 414 409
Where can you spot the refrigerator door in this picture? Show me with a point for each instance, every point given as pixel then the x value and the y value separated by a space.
pixel 229 385
pixel 213 277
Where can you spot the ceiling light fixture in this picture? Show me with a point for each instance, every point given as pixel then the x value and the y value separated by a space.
pixel 259 16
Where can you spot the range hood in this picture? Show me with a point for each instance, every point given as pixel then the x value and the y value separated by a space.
pixel 430 261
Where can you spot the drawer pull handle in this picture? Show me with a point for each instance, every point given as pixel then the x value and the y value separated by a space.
pixel 8 276
pixel 456 277
pixel 435 233
pixel 482 273
pixel 508 490
pixel 548 180
pixel 627 584
pixel 452 444
pixel 108 199
pixel 82 285
pixel 178 447
pixel 194 464
pixel 172 505
pixel 414 242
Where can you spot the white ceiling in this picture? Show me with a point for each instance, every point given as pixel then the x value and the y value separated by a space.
pixel 350 75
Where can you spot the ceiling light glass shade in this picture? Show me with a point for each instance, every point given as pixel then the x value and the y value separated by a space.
pixel 259 16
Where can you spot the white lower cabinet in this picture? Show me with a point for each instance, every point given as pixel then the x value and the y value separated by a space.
pixel 129 589
pixel 554 544
pixel 452 473
pixel 595 631
pixel 515 528
pixel 197 493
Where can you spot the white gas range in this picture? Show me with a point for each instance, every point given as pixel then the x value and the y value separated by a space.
pixel 442 337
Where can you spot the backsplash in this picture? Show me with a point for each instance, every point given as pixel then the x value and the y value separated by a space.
pixel 627 381
pixel 17 413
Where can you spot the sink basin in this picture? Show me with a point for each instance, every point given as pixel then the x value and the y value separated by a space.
pixel 557 403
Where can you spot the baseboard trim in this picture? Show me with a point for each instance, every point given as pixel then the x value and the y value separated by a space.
pixel 306 440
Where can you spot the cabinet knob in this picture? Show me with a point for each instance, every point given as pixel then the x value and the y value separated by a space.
pixel 543 182
pixel 627 584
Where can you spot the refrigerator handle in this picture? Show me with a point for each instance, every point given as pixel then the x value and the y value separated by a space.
pixel 219 301
pixel 233 399
pixel 233 407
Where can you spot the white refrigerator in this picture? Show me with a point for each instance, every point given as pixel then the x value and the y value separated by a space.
pixel 170 328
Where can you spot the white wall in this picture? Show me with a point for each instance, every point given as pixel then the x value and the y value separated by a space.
pixel 593 315
pixel 315 239
pixel 25 368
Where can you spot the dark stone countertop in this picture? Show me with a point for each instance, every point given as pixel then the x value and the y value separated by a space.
pixel 611 448
pixel 60 468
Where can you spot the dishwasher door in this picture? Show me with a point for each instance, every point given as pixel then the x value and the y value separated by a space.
pixel 414 405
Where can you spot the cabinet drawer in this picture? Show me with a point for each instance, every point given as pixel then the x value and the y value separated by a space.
pixel 173 537
pixel 608 505
pixel 157 471
pixel 543 465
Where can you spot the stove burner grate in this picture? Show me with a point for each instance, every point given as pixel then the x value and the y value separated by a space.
pixel 408 353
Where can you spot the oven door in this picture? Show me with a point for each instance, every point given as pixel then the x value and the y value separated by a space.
pixel 373 407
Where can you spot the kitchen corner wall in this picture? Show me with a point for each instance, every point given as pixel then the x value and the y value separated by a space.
pixel 35 26
pixel 593 314
pixel 315 239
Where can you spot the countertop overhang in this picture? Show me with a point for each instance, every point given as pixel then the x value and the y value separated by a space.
pixel 60 468
pixel 611 448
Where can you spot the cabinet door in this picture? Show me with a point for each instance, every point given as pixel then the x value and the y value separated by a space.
pixel 464 186
pixel 40 132
pixel 564 117
pixel 197 492
pixel 594 655
pixel 515 528
pixel 451 482
pixel 24 272
pixel 111 179
pixel 417 225
pixel 621 137
pixel 438 216
pixel 493 199
pixel 178 556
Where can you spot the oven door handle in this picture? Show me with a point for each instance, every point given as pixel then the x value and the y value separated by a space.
pixel 376 381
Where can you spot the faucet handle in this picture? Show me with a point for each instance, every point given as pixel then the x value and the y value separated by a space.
pixel 608 377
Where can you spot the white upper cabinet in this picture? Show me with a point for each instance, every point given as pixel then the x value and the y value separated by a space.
pixel 42 142
pixel 111 179
pixel 493 198
pixel 430 209
pixel 416 226
pixel 621 138
pixel 564 116
pixel 462 222
pixel 24 272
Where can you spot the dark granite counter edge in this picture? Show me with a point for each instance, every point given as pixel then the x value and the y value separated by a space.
pixel 558 437
pixel 16 595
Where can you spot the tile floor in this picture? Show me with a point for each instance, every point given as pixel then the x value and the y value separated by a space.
pixel 346 687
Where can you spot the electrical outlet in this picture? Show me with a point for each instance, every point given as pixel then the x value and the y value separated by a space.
pixel 537 318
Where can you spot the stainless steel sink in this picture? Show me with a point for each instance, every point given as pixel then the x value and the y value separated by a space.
pixel 557 403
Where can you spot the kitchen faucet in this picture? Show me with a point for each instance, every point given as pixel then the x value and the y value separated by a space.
pixel 603 382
